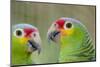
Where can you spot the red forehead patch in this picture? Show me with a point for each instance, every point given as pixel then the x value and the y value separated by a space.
pixel 28 31
pixel 60 23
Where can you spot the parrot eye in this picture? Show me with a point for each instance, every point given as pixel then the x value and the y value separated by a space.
pixel 68 25
pixel 18 33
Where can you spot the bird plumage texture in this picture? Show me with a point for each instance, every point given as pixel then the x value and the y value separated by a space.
pixel 74 39
pixel 25 41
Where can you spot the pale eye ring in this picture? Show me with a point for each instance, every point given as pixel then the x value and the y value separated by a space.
pixel 68 25
pixel 19 33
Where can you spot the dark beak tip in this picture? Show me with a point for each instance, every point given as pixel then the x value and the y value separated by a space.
pixel 39 50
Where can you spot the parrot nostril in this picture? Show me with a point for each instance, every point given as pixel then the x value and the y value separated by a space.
pixel 34 34
pixel 55 25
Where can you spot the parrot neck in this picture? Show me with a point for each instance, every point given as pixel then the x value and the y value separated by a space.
pixel 20 58
pixel 79 48
pixel 70 45
pixel 19 54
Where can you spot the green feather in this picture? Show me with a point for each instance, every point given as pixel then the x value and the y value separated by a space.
pixel 78 46
pixel 19 55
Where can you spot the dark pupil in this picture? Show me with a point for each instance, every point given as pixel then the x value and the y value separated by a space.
pixel 18 33
pixel 68 25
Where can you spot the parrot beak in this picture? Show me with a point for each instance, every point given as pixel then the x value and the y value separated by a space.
pixel 33 46
pixel 34 43
pixel 53 35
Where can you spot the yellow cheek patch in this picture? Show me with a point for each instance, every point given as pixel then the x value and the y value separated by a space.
pixel 66 32
pixel 23 40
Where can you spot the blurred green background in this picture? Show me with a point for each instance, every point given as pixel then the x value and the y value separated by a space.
pixel 41 15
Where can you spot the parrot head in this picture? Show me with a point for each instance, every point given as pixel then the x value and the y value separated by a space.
pixel 66 31
pixel 26 38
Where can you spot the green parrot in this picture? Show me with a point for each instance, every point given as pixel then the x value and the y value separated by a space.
pixel 75 41
pixel 25 41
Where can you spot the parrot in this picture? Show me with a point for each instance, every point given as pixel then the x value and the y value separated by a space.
pixel 25 41
pixel 75 41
